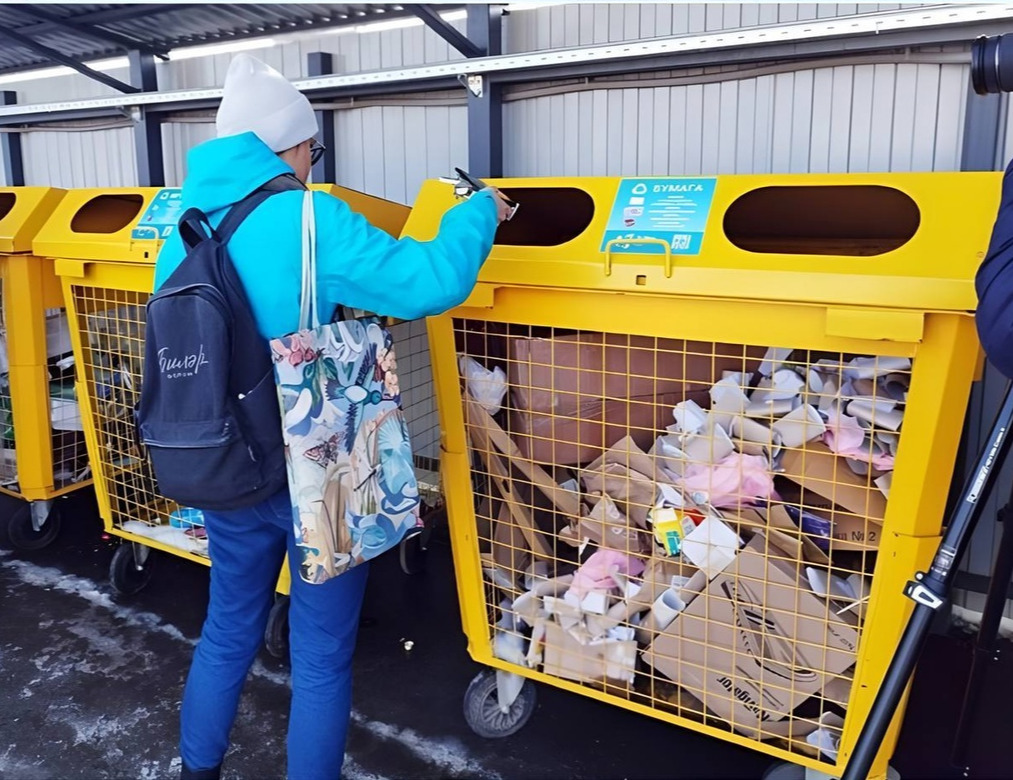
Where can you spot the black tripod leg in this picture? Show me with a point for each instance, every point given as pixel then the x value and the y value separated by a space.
pixel 929 591
pixel 985 642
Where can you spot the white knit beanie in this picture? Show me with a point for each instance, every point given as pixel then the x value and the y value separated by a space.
pixel 258 99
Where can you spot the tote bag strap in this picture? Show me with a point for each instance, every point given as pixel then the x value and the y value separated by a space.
pixel 308 316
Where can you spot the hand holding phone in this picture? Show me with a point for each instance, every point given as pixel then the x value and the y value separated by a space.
pixel 467 184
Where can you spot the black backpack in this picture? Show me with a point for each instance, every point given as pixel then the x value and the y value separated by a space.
pixel 209 415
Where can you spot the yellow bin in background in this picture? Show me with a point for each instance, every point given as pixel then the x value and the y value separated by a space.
pixel 698 433
pixel 42 450
pixel 104 244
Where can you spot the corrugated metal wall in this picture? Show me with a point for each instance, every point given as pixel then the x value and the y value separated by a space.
pixel 835 119
pixel 851 117
pixel 581 24
pixel 76 159
pixel 390 150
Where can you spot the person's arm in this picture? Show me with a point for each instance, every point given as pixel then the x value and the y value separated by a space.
pixel 362 267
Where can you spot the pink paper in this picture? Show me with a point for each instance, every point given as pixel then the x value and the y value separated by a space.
pixel 597 571
pixel 736 480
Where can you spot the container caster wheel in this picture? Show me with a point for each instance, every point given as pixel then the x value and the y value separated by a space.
pixel 414 551
pixel 131 567
pixel 276 633
pixel 484 713
pixel 787 771
pixel 34 526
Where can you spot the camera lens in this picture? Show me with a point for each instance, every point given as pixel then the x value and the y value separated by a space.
pixel 992 64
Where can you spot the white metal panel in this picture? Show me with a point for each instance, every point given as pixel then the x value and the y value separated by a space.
pixel 801 122
pixel 838 119
pixel 390 150
pixel 582 24
pixel 74 159
pixel 819 123
pixel 177 140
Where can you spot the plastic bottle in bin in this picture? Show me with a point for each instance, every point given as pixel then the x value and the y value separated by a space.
pixel 185 518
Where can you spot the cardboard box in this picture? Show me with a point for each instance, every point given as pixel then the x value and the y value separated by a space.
pixel 817 469
pixel 608 659
pixel 583 434
pixel 627 475
pixel 587 391
pixel 756 643
pixel 848 531
pixel 607 527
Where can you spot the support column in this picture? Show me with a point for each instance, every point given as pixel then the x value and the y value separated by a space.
pixel 148 130
pixel 319 63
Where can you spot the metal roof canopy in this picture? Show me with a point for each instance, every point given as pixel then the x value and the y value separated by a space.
pixel 795 41
pixel 35 35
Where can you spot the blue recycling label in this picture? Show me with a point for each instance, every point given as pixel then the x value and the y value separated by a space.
pixel 674 210
pixel 161 217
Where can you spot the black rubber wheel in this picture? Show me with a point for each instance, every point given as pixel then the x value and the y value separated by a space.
pixel 482 712
pixel 784 771
pixel 276 633
pixel 414 552
pixel 126 576
pixel 21 534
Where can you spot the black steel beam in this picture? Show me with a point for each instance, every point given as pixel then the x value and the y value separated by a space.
pixel 319 63
pixel 485 111
pixel 63 59
pixel 10 148
pixel 88 30
pixel 447 32
pixel 148 129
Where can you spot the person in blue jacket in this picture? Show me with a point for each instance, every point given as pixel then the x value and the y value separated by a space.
pixel 266 128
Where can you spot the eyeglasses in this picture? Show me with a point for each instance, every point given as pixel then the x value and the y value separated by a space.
pixel 317 150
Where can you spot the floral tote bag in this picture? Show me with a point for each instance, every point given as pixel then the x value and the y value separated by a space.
pixel 350 467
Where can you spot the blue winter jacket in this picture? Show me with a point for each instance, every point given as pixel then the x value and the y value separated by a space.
pixel 358 266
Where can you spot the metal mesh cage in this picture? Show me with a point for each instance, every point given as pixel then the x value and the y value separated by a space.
pixel 689 526
pixel 111 323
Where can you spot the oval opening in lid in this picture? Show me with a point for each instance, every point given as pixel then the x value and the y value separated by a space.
pixel 548 216
pixel 7 201
pixel 844 220
pixel 107 213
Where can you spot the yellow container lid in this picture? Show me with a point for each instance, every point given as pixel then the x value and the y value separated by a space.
pixel 119 224
pixel 384 214
pixel 899 240
pixel 23 211
pixel 130 224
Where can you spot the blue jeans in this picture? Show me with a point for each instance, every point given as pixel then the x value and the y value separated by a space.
pixel 247 548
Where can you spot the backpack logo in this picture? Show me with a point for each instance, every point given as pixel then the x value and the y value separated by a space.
pixel 181 367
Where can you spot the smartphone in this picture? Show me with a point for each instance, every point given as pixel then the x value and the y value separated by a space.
pixel 478 184
pixel 471 181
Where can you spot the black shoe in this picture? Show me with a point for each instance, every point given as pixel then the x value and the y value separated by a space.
pixel 214 773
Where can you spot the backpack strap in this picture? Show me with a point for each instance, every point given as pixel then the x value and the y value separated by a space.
pixel 194 227
pixel 228 226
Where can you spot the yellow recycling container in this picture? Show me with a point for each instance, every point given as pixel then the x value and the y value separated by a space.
pixel 104 244
pixel 42 450
pixel 697 433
